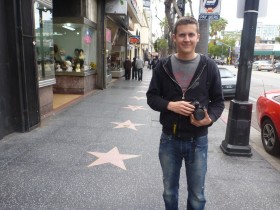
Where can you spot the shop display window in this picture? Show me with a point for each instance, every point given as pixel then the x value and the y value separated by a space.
pixel 74 47
pixel 44 41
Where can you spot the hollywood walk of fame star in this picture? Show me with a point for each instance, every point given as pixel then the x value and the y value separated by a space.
pixel 139 98
pixel 113 156
pixel 133 108
pixel 126 124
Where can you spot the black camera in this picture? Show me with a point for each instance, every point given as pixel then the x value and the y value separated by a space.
pixel 198 110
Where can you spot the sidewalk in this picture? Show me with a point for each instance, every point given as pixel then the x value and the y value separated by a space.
pixel 101 153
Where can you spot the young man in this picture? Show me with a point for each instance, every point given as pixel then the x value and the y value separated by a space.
pixel 177 82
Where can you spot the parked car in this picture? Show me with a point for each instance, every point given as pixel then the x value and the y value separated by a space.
pixel 219 61
pixel 262 65
pixel 268 111
pixel 228 82
pixel 276 67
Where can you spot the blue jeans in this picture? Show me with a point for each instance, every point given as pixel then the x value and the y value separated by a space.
pixel 172 151
pixel 140 74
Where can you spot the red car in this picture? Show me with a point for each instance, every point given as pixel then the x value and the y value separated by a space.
pixel 268 116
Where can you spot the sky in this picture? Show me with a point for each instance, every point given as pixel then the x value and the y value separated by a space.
pixel 229 12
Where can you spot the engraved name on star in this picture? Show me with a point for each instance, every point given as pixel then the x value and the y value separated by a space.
pixel 133 108
pixel 113 156
pixel 126 124
pixel 139 98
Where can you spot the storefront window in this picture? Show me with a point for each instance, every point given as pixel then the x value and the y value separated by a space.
pixel 44 41
pixel 76 44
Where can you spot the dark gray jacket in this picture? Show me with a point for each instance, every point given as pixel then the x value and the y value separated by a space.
pixel 205 87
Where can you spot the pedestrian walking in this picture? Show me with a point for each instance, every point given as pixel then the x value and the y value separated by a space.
pixel 186 89
pixel 127 68
pixel 139 66
pixel 134 69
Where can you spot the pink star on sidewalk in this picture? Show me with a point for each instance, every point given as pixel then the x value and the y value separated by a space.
pixel 138 98
pixel 126 124
pixel 133 108
pixel 113 156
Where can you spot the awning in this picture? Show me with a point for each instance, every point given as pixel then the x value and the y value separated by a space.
pixel 263 52
pixel 276 53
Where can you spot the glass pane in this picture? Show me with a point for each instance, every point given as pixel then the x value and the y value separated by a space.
pixel 44 41
pixel 76 43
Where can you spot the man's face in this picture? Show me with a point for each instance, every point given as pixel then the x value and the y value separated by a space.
pixel 186 39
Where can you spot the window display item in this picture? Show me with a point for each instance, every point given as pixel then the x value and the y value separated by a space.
pixel 58 68
pixel 69 66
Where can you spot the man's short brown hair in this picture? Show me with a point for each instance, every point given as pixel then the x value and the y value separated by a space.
pixel 185 20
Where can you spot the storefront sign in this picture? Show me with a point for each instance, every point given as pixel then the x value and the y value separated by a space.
pixel 134 39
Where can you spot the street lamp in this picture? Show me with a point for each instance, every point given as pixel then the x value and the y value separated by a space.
pixel 236 141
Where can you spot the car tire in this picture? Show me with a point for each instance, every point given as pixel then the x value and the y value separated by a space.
pixel 270 139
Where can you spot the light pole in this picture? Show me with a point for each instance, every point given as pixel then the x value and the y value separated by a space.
pixel 236 141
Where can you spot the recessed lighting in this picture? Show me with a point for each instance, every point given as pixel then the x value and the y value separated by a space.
pixel 68 27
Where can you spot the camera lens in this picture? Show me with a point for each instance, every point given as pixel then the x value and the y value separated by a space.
pixel 199 114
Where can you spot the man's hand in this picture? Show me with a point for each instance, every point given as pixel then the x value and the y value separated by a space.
pixel 205 121
pixel 181 107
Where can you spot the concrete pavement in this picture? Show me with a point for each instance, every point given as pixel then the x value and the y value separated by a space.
pixel 101 153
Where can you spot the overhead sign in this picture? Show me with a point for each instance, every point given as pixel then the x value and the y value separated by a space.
pixel 209 9
pixel 134 39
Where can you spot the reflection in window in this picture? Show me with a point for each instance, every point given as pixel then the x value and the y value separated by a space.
pixel 44 41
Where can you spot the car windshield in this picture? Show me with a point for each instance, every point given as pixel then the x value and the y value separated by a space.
pixel 225 73
pixel 277 98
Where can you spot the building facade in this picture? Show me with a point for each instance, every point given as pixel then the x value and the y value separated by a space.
pixel 58 47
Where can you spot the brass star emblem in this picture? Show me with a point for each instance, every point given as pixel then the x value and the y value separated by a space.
pixel 126 124
pixel 113 156
pixel 139 98
pixel 133 108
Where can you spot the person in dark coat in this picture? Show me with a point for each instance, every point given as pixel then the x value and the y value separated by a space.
pixel 127 68
pixel 186 89
pixel 134 69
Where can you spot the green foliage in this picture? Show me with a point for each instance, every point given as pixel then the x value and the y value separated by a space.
pixel 222 49
pixel 160 44
pixel 277 39
pixel 121 1
pixel 214 50
pixel 217 26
